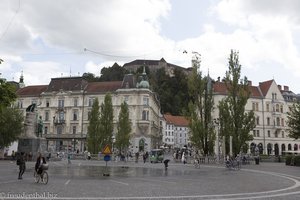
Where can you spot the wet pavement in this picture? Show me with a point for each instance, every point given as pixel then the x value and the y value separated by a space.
pixel 84 179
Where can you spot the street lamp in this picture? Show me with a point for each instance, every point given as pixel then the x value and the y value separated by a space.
pixel 217 122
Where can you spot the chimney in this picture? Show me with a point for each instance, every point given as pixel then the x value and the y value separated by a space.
pixel 279 87
pixel 249 83
pixel 286 88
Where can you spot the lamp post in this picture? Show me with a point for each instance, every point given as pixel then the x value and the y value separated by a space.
pixel 113 142
pixel 217 122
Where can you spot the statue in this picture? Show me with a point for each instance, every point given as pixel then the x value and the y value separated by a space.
pixel 40 127
pixel 31 108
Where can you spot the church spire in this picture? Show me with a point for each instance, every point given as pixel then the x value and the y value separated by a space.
pixel 21 81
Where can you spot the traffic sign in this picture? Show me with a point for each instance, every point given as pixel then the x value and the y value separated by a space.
pixel 107 158
pixel 106 150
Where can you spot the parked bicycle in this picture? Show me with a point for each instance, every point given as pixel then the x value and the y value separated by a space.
pixel 43 176
pixel 197 163
pixel 233 164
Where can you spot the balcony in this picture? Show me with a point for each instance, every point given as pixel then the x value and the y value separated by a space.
pixel 64 136
pixel 59 122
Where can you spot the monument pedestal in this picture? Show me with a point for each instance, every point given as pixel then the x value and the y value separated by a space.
pixel 33 146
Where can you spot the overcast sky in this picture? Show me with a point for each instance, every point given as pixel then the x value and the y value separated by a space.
pixel 46 39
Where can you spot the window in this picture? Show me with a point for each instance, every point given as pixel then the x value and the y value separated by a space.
pixel 91 101
pixel 20 104
pixel 254 133
pixel 59 130
pixel 46 130
pixel 268 107
pixel 61 117
pixel 268 121
pixel 257 133
pixel 89 115
pixel 75 115
pixel 74 130
pixel 47 103
pixel 46 115
pixel 126 99
pixel 277 108
pixel 145 115
pixel 276 134
pixel 281 108
pixel 282 134
pixel 145 101
pixel 75 102
pixel 257 121
pixel 278 121
pixel 269 133
pixel 61 103
pixel 255 106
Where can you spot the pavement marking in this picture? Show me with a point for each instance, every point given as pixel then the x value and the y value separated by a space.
pixel 119 182
pixel 68 181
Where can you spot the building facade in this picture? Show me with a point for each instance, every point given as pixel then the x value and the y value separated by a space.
pixel 270 103
pixel 65 105
pixel 175 131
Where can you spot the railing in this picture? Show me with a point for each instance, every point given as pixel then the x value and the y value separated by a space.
pixel 65 136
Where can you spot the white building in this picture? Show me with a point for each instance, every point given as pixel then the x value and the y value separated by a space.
pixel 270 104
pixel 66 102
pixel 175 131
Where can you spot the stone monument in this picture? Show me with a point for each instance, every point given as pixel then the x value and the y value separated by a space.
pixel 31 141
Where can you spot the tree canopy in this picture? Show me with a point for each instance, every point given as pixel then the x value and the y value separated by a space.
pixel 235 121
pixel 124 128
pixel 200 108
pixel 294 121
pixel 11 120
pixel 93 134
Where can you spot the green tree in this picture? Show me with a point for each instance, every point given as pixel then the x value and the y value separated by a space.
pixel 202 132
pixel 11 125
pixel 11 120
pixel 106 121
pixel 93 134
pixel 294 121
pixel 124 128
pixel 235 121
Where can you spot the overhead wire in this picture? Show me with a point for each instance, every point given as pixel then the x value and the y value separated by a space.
pixel 11 21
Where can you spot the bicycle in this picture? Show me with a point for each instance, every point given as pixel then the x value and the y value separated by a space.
pixel 233 164
pixel 197 163
pixel 43 176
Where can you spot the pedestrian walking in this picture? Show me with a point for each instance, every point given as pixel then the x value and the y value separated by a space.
pixel 183 158
pixel 22 164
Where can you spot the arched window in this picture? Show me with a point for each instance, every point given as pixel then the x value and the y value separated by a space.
pixel 295 147
pixel 289 147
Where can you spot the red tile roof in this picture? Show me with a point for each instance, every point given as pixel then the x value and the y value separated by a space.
pixel 102 87
pixel 34 90
pixel 265 86
pixel 176 120
pixel 220 88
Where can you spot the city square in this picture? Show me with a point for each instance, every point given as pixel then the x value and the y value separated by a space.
pixel 83 179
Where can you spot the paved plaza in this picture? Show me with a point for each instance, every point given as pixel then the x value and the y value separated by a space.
pixel 83 179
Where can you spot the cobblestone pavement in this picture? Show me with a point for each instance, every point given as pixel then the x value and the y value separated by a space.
pixel 84 179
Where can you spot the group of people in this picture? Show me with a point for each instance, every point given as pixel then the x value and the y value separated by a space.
pixel 21 162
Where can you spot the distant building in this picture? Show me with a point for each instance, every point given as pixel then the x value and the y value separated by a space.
pixel 65 105
pixel 154 65
pixel 175 131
